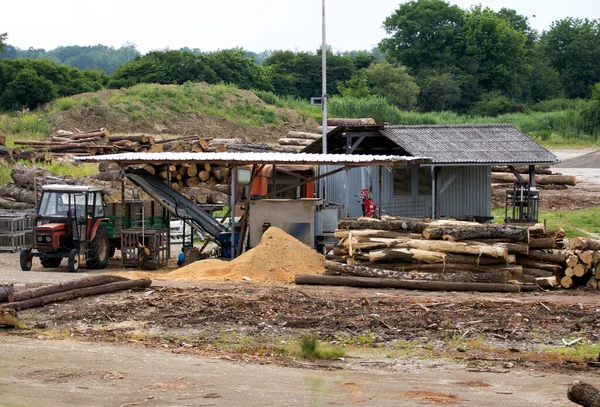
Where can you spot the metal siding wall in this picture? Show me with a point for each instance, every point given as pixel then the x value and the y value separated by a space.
pixel 469 194
pixel 336 189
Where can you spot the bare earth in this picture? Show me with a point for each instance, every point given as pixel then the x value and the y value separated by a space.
pixel 232 344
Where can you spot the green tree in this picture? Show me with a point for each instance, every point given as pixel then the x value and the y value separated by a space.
pixel 356 87
pixel 572 46
pixel 424 34
pixel 28 89
pixel 591 114
pixel 494 52
pixel 393 83
pixel 3 37
pixel 439 92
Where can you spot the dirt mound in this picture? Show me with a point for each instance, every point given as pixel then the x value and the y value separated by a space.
pixel 276 259
pixel 122 111
pixel 590 160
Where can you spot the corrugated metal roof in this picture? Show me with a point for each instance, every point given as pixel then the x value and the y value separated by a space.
pixel 482 144
pixel 459 144
pixel 257 158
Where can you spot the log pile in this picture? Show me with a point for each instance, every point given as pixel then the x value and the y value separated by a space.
pixel 299 139
pixel 545 178
pixel 463 252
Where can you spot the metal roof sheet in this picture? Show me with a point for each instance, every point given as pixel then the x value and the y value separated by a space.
pixel 71 188
pixel 257 158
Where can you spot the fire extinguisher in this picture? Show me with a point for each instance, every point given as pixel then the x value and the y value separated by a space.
pixel 368 206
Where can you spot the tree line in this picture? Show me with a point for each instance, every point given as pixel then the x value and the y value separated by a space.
pixel 436 57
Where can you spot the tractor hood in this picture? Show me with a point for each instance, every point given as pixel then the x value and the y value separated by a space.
pixel 50 227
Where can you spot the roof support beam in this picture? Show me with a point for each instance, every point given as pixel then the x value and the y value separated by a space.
pixel 306 181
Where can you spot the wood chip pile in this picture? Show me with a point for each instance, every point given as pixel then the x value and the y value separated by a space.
pixel 463 252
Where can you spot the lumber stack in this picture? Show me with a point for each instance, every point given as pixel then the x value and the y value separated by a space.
pixel 299 139
pixel 460 252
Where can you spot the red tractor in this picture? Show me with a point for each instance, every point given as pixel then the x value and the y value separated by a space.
pixel 70 224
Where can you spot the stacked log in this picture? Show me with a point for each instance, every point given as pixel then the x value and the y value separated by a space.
pixel 545 178
pixel 299 139
pixel 461 252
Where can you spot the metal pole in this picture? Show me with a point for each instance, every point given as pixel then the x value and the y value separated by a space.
pixel 232 210
pixel 324 100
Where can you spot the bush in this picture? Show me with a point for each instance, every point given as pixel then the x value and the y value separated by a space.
pixel 492 104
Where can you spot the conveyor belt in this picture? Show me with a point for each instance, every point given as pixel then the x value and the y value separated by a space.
pixel 175 202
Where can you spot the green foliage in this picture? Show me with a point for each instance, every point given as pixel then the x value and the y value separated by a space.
pixel 591 112
pixel 3 37
pixel 27 89
pixel 439 92
pixel 393 83
pixel 572 47
pixel 355 87
pixel 310 348
pixel 101 57
pixel 495 50
pixel 424 34
pixel 493 104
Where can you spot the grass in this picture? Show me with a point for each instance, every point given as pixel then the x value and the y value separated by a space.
pixel 574 222
pixel 311 348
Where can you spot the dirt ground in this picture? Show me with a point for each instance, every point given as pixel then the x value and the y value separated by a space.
pixel 237 343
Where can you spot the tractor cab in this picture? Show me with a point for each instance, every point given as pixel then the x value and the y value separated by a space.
pixel 70 223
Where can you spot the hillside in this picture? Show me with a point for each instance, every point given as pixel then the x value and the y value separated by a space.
pixel 218 111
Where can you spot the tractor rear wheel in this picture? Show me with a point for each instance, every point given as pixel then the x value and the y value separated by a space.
pixel 97 257
pixel 50 262
pixel 26 259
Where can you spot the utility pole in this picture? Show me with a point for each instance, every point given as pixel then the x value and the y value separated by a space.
pixel 324 101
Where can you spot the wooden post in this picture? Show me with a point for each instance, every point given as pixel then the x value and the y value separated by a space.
pixel 232 201
pixel 379 193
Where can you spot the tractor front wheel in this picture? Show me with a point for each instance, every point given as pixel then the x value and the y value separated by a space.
pixel 26 259
pixel 73 261
pixel 98 252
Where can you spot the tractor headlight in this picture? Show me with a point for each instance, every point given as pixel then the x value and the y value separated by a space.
pixel 39 239
pixel 48 239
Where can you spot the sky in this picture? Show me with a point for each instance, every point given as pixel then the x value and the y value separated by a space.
pixel 255 25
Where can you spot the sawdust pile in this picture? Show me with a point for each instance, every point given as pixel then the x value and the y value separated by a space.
pixel 277 258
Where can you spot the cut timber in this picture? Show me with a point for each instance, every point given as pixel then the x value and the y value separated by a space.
pixel 203 194
pixel 514 272
pixel 566 282
pixel 523 169
pixel 429 245
pixel 569 271
pixel 495 277
pixel 24 176
pixel 395 225
pixel 204 176
pixel 111 176
pixel 527 262
pixel 546 282
pixel 304 135
pixel 78 293
pixel 556 256
pixel 294 142
pixel 539 179
pixel 537 272
pixel 571 260
pixel 597 272
pixel 370 282
pixel 514 233
pixel 142 139
pixel 108 166
pixel 6 293
pixel 586 257
pixel 543 242
pixel 8 317
pixel 579 270
pixel 220 173
pixel 66 286
pixel 592 283
pixel 334 121
pixel 580 243
pixel 406 254
pixel 583 394
pixel 18 194
pixel 343 233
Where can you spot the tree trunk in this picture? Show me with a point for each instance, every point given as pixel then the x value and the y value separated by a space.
pixel 24 176
pixel 204 176
pixel 142 139
pixel 79 292
pixel 429 245
pixel 66 286
pixel 18 194
pixel 220 173
pixel 537 272
pixel 514 233
pixel 539 179
pixel 396 225
pixel 110 176
pixel 334 121
pixel 304 135
pixel 583 394
pixel 344 233
pixel 586 257
pixel 406 254
pixel 556 256
pixel 203 194
pixel 295 142
pixel 7 203
pixel 580 243
pixel 108 166
pixel 523 169
pixel 566 282
pixel 543 243
pixel 369 282
pixel 526 262
pixel 493 277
